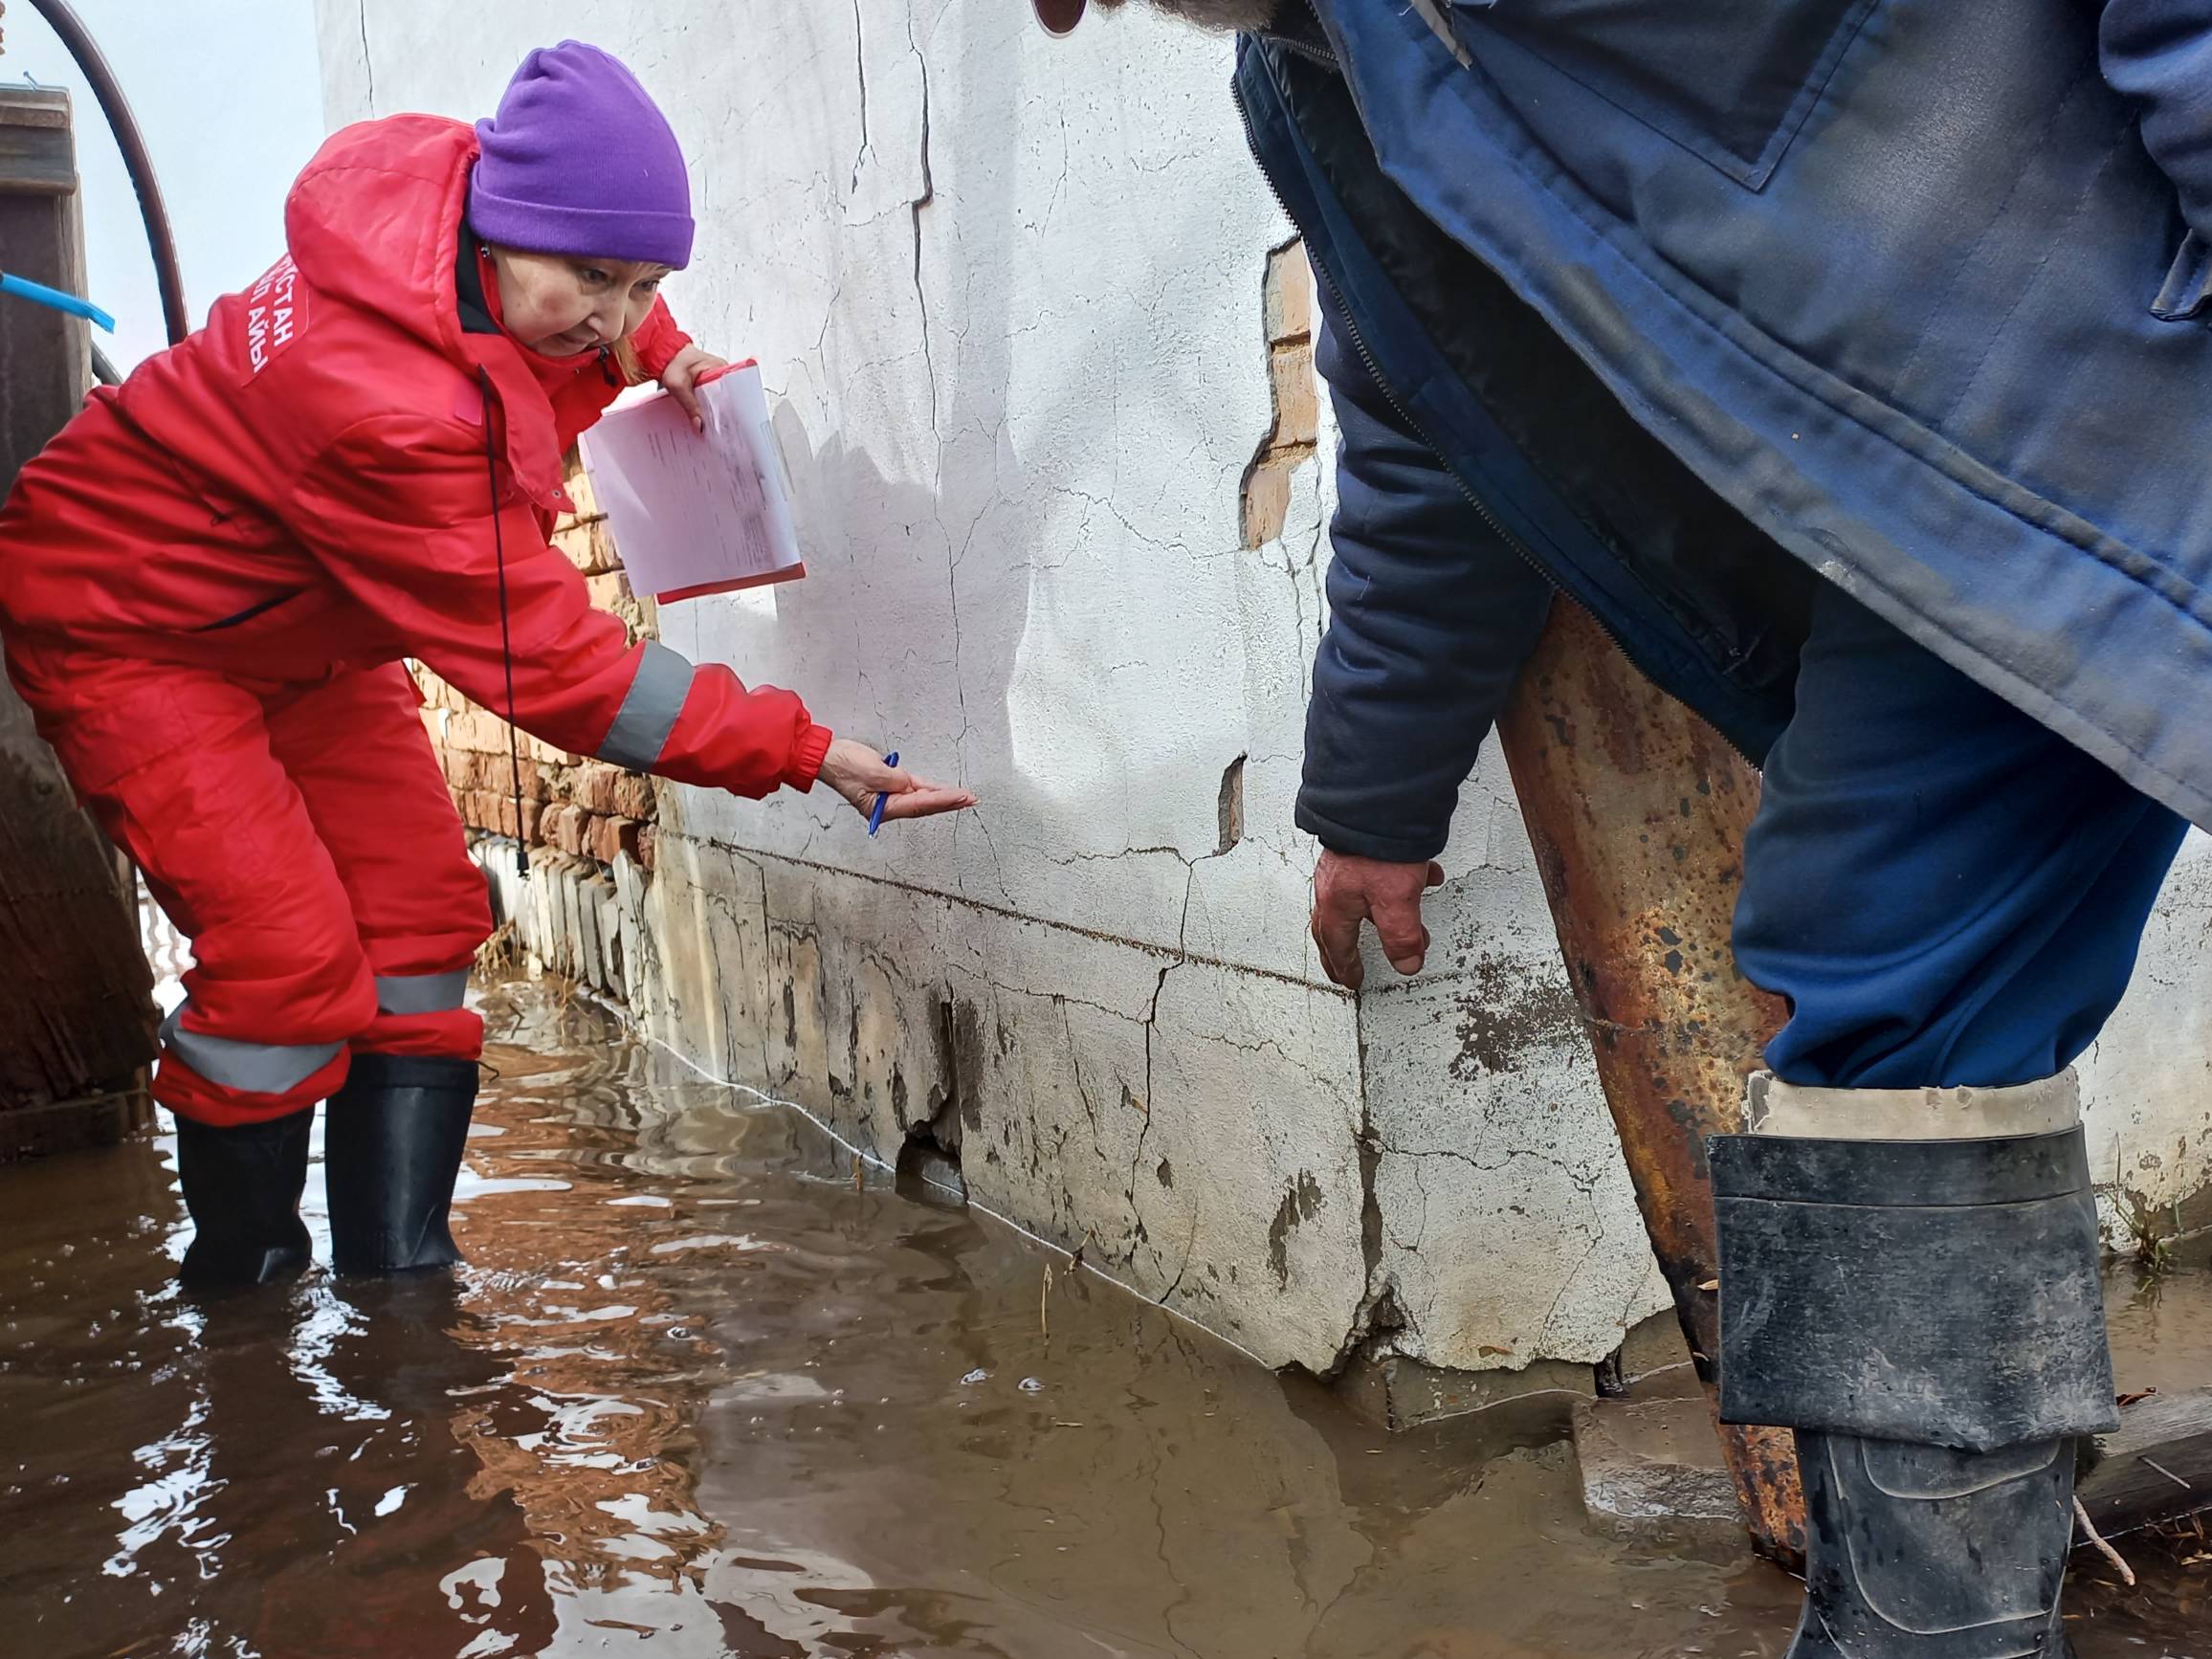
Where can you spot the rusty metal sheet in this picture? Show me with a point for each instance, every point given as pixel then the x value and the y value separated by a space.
pixel 1637 810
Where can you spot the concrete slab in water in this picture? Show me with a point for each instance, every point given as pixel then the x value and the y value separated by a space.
pixel 1651 1469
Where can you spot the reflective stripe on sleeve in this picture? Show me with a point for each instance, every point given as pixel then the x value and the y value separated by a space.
pixel 648 713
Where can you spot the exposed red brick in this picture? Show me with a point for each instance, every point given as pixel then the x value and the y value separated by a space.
pixel 565 826
pixel 647 846
pixel 543 753
pixel 490 809
pixel 612 835
pixel 1266 495
pixel 589 546
pixel 1297 403
pixel 591 785
pixel 436 694
pixel 477 731
pixel 608 791
pixel 1289 292
pixel 536 780
pixel 578 483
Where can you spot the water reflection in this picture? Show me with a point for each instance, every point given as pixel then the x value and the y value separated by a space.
pixel 697 1394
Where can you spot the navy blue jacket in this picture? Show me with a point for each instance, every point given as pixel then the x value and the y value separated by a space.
pixel 1679 305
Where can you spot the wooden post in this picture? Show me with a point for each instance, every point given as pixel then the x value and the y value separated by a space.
pixel 1637 809
pixel 77 1025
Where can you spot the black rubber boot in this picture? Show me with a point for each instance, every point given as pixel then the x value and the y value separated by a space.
pixel 1927 1316
pixel 392 1144
pixel 1922 1550
pixel 242 1187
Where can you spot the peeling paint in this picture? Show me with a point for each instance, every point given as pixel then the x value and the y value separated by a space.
pixel 1505 1013
pixel 1301 1203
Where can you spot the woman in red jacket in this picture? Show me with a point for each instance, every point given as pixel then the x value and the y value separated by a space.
pixel 209 582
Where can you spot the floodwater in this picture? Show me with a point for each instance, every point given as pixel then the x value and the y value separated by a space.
pixel 699 1393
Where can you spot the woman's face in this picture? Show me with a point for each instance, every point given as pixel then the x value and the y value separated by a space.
pixel 560 306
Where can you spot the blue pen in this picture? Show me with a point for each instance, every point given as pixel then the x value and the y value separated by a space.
pixel 25 289
pixel 875 818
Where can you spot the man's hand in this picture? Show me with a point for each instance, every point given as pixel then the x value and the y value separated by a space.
pixel 681 380
pixel 1348 891
pixel 857 772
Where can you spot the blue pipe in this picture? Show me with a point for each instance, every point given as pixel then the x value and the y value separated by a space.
pixel 39 294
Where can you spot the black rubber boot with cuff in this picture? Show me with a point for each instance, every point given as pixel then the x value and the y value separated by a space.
pixel 1910 1279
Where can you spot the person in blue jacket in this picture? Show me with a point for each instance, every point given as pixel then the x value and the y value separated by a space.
pixel 1851 362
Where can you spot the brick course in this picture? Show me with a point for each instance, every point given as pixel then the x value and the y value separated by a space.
pixel 1287 310
pixel 576 805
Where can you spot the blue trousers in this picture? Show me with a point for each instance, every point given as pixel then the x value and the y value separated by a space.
pixel 1945 891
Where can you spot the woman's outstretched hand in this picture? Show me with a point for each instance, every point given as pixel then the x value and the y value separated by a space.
pixel 857 772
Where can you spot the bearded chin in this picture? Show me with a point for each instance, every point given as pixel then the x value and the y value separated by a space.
pixel 1226 14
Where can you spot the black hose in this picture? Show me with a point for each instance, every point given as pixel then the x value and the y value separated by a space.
pixel 65 23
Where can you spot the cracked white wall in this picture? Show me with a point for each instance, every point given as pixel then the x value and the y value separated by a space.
pixel 1006 293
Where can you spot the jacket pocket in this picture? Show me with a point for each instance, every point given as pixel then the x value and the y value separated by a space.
pixel 1730 81
pixel 239 619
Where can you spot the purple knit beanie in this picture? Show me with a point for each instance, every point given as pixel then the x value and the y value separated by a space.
pixel 579 160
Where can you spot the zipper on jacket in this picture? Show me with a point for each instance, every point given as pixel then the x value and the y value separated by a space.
pixel 1344 313
pixel 1322 54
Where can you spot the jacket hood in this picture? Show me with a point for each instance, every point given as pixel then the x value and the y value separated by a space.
pixel 375 220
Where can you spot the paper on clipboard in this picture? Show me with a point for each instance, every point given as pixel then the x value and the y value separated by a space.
pixel 696 513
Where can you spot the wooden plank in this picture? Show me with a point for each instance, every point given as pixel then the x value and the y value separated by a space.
pixel 73 1125
pixel 37 158
pixel 79 1016
pixel 44 106
pixel 2157 1466
pixel 77 1024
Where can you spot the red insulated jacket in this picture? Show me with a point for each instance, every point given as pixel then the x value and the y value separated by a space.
pixel 306 486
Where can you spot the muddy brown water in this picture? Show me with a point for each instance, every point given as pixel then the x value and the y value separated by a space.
pixel 698 1395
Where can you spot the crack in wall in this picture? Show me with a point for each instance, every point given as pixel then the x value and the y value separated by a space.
pixel 367 63
pixel 1105 504
pixel 1180 955
pixel 860 65
pixel 928 195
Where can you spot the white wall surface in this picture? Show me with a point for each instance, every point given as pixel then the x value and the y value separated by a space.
pixel 1006 292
